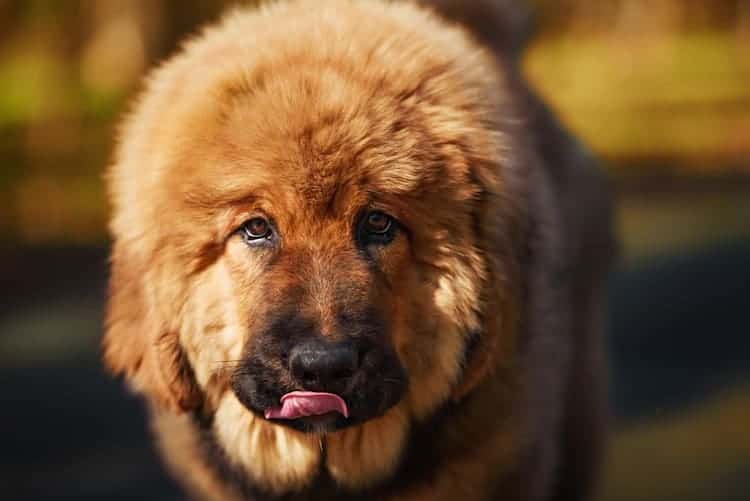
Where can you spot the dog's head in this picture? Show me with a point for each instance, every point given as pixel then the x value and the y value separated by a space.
pixel 312 234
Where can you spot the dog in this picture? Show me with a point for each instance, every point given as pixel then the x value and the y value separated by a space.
pixel 355 257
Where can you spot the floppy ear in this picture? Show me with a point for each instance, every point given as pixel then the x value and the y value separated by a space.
pixel 138 344
pixel 501 233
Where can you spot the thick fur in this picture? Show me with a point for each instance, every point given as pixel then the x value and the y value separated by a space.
pixel 310 112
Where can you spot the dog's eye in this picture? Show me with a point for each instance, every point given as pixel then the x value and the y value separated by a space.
pixel 376 227
pixel 256 229
pixel 378 223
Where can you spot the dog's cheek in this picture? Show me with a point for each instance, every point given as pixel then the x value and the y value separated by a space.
pixel 431 337
pixel 212 333
pixel 434 361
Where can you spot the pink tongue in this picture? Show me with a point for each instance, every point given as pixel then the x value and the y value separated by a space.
pixel 299 404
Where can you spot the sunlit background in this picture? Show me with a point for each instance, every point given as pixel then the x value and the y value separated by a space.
pixel 660 89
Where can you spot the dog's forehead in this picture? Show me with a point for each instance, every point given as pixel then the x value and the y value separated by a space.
pixel 317 152
pixel 314 137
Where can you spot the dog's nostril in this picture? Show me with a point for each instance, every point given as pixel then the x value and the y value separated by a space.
pixel 321 364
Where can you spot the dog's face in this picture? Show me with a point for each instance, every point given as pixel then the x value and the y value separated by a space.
pixel 348 243
pixel 322 269
pixel 299 223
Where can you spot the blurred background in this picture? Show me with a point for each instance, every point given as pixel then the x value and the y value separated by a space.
pixel 660 89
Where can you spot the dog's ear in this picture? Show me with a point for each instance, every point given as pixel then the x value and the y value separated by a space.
pixel 500 231
pixel 138 344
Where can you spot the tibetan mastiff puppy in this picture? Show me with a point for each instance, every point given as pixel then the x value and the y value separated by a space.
pixel 356 258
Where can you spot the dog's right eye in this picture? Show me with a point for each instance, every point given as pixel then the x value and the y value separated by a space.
pixel 256 230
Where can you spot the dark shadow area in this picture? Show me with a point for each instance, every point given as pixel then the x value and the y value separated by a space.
pixel 679 328
pixel 69 430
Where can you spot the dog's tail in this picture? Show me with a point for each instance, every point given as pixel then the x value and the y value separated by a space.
pixel 503 25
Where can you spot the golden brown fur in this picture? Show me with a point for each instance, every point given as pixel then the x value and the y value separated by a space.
pixel 310 111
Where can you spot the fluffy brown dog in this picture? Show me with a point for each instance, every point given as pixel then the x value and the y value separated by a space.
pixel 354 258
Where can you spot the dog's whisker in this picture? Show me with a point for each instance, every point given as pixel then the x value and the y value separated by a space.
pixel 228 361
pixel 393 381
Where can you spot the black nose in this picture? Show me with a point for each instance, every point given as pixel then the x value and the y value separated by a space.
pixel 323 366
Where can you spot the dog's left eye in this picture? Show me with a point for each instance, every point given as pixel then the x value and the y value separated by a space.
pixel 256 230
pixel 376 227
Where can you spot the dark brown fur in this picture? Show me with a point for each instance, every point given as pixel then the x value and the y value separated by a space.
pixel 491 297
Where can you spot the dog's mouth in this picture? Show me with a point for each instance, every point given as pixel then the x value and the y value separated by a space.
pixel 308 404
pixel 323 412
pixel 319 410
pixel 316 412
